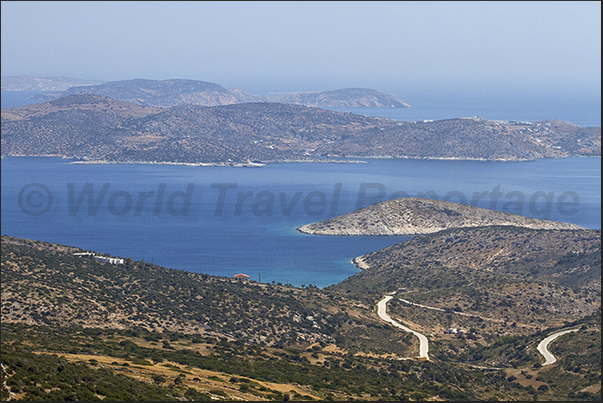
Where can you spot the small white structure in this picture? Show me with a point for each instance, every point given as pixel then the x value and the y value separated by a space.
pixel 104 259
pixel 86 254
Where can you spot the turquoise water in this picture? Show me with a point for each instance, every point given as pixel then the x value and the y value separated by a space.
pixel 252 230
pixel 223 221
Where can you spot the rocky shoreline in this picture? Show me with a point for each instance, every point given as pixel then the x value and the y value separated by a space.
pixel 414 216
pixel 359 262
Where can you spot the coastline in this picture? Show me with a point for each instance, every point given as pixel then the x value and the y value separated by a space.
pixel 192 164
pixel 250 164
pixel 359 262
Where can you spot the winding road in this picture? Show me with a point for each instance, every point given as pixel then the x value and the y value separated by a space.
pixel 423 343
pixel 544 344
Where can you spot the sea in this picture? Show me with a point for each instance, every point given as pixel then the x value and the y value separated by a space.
pixel 228 220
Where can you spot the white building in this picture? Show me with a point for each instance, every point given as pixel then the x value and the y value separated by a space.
pixel 104 259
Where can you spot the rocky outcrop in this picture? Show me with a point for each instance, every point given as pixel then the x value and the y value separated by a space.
pixel 411 216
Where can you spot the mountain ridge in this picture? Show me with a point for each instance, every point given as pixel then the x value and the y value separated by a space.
pixel 177 92
pixel 91 127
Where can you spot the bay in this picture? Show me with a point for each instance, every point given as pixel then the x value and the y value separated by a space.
pixel 253 229
pixel 223 221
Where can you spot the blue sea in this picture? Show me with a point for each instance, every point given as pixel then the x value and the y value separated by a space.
pixel 582 109
pixel 223 221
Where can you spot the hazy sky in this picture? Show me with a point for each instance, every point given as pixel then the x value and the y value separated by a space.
pixel 287 46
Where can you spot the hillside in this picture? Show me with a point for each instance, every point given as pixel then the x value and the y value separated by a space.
pixel 163 334
pixel 505 281
pixel 472 138
pixel 411 216
pixel 98 128
pixel 154 320
pixel 187 134
pixel 547 275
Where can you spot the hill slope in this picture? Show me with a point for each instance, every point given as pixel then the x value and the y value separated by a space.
pixel 95 127
pixel 483 257
pixel 411 216
pixel 97 330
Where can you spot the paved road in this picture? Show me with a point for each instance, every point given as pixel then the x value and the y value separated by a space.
pixel 382 312
pixel 424 344
pixel 544 344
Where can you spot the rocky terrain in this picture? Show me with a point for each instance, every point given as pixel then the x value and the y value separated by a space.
pixel 509 274
pixel 178 92
pixel 98 128
pixel 411 216
pixel 82 292
pixel 137 331
pixel 510 281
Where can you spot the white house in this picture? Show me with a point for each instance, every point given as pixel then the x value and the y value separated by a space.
pixel 104 259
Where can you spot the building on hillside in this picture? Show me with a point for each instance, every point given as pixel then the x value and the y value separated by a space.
pixel 244 278
pixel 104 259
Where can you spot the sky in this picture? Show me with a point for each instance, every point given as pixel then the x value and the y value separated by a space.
pixel 310 46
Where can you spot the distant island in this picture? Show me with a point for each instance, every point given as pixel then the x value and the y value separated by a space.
pixel 97 128
pixel 412 216
pixel 179 92
pixel 54 84
pixel 344 98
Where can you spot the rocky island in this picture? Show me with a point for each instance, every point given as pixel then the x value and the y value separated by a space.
pixel 413 215
pixel 90 127
pixel 344 98
pixel 178 92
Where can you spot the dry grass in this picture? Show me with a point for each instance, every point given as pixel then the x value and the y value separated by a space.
pixel 205 380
